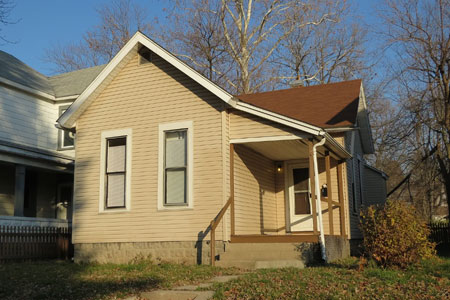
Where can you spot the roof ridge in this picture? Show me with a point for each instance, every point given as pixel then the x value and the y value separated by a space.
pixel 302 87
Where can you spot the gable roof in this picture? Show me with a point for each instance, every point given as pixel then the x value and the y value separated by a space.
pixel 15 72
pixel 74 83
pixel 326 106
pixel 67 120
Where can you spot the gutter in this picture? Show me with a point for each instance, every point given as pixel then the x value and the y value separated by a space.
pixel 318 200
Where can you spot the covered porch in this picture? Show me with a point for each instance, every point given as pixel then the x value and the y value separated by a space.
pixel 276 195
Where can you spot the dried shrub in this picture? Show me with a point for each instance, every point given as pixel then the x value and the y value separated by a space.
pixel 394 235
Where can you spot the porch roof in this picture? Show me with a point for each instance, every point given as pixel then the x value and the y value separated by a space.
pixel 288 148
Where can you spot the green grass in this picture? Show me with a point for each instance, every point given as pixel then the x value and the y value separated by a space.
pixel 343 280
pixel 65 280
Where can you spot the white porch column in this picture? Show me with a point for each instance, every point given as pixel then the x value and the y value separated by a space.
pixel 19 194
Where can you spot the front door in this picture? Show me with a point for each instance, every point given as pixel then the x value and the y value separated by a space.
pixel 299 198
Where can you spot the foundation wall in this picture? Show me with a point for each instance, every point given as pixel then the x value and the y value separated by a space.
pixel 185 252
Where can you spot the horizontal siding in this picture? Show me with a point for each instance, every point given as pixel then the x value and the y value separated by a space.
pixel 374 187
pixel 141 97
pixel 244 125
pixel 27 120
pixel 255 196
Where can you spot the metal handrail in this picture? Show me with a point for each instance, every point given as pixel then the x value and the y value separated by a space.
pixel 214 223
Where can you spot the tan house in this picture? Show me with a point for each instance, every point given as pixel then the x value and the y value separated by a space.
pixel 167 161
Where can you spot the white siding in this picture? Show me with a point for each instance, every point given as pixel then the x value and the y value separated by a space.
pixel 27 120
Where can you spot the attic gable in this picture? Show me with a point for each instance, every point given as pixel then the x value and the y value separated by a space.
pixel 139 40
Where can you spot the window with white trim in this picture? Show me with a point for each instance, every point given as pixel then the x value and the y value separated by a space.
pixel 115 170
pixel 66 139
pixel 175 163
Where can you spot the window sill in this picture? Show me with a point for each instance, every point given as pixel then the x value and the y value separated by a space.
pixel 175 208
pixel 113 211
pixel 66 148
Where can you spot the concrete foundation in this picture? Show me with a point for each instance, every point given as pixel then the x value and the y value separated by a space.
pixel 337 247
pixel 175 252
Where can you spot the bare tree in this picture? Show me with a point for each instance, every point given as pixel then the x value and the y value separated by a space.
pixel 419 35
pixel 330 51
pixel 119 20
pixel 246 34
pixel 6 6
pixel 196 36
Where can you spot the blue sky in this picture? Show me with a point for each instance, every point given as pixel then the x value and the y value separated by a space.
pixel 45 23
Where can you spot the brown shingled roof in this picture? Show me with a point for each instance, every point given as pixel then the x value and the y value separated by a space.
pixel 326 105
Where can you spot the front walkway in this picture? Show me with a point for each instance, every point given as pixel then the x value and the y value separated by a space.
pixel 186 292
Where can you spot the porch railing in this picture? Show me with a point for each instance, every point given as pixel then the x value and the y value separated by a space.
pixel 214 223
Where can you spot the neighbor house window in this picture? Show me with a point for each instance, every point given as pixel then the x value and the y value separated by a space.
pixel 115 170
pixel 175 162
pixel 65 138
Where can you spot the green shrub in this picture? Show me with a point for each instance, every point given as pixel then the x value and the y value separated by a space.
pixel 394 235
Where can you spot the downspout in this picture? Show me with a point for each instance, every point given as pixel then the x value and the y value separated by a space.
pixel 318 200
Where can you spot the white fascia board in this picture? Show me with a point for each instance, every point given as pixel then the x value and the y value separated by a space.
pixel 265 139
pixel 280 119
pixel 66 120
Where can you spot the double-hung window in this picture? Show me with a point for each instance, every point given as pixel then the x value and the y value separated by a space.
pixel 175 167
pixel 115 170
pixel 175 162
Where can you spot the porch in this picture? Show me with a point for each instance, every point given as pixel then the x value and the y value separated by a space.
pixel 35 197
pixel 277 197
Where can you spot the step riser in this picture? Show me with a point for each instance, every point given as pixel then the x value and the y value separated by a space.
pixel 260 255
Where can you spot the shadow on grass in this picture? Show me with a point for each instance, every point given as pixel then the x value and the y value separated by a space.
pixel 65 280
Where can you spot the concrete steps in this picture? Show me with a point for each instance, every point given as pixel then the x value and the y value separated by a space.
pixel 260 255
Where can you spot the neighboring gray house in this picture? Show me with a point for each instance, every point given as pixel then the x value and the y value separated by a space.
pixel 36 159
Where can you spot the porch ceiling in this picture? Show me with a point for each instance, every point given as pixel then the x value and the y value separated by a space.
pixel 280 150
pixel 283 149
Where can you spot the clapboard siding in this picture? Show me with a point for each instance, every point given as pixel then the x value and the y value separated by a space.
pixel 141 97
pixel 255 196
pixel 374 187
pixel 27 120
pixel 244 125
pixel 353 177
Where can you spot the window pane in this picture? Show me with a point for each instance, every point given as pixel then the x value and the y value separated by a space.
pixel 175 149
pixel 116 155
pixel 175 186
pixel 301 177
pixel 302 206
pixel 116 190
pixel 67 139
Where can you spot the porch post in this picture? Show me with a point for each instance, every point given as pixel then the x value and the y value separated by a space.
pixel 19 191
pixel 313 189
pixel 341 195
pixel 329 192
pixel 232 188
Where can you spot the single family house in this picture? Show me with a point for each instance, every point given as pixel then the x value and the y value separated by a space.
pixel 172 166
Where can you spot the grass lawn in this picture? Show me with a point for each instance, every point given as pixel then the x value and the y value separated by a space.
pixel 429 280
pixel 65 280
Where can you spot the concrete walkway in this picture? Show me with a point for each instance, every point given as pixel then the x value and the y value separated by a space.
pixel 186 292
